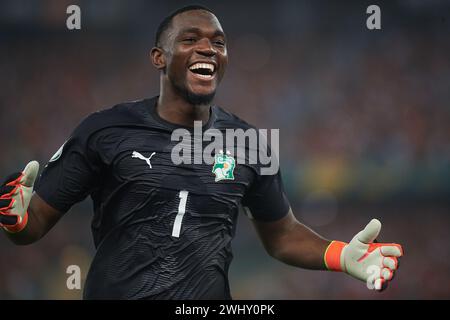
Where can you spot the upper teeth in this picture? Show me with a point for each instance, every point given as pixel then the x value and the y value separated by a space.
pixel 202 66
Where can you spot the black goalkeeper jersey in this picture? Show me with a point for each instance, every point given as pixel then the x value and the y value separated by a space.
pixel 161 230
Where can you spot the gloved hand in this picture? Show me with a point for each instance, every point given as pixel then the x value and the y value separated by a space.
pixel 15 196
pixel 364 259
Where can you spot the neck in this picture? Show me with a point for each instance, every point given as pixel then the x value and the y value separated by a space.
pixel 175 109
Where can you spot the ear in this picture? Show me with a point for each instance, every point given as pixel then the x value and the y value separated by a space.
pixel 158 58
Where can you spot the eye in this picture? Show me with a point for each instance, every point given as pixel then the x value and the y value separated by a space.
pixel 189 40
pixel 219 43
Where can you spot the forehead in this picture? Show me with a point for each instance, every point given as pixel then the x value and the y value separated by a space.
pixel 199 19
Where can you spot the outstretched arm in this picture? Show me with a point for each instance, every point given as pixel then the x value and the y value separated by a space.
pixel 24 216
pixel 293 243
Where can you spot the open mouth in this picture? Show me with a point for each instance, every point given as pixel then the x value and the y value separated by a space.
pixel 203 70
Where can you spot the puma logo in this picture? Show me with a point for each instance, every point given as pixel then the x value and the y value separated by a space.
pixel 140 156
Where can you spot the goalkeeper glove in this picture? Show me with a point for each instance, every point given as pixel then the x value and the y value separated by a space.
pixel 364 259
pixel 15 196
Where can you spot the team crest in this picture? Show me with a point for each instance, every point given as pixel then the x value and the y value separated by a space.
pixel 224 165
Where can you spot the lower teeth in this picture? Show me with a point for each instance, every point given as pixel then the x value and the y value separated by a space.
pixel 204 75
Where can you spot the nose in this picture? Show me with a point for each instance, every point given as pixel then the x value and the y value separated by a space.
pixel 205 48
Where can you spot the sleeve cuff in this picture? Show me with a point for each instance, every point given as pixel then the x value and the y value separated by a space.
pixel 332 256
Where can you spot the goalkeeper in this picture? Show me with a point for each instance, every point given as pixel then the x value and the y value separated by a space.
pixel 161 230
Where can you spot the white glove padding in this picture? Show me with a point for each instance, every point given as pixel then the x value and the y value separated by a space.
pixel 364 259
pixel 374 263
pixel 15 196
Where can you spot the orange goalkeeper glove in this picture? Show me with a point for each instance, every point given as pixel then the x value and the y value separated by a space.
pixel 15 196
pixel 364 259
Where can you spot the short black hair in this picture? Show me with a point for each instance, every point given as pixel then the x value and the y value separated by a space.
pixel 165 24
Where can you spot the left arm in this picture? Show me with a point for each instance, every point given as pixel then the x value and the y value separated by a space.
pixel 292 242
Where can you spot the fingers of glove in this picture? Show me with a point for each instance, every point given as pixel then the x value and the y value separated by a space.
pixel 370 232
pixel 8 220
pixel 387 274
pixel 391 249
pixel 12 178
pixel 380 284
pixel 6 204
pixel 30 173
pixel 7 191
pixel 390 262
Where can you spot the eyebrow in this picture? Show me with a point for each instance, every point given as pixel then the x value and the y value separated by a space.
pixel 198 30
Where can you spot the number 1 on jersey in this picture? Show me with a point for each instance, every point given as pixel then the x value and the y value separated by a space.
pixel 181 211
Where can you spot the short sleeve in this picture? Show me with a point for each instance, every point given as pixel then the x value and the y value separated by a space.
pixel 72 173
pixel 266 199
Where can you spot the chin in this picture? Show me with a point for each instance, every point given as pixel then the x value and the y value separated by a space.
pixel 199 98
pixel 195 95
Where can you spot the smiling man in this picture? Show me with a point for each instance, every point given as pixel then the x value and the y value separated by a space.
pixel 164 231
pixel 191 52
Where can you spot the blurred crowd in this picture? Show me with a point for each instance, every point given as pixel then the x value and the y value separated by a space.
pixel 364 121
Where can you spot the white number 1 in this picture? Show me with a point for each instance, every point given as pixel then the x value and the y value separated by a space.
pixel 181 211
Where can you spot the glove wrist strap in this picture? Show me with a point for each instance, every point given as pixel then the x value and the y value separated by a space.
pixel 19 226
pixel 332 256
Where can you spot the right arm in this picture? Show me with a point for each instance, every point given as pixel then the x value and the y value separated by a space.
pixel 69 176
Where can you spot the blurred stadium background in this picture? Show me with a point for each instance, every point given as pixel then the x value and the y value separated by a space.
pixel 364 118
